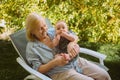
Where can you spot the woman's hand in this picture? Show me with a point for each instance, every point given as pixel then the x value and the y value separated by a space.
pixel 73 49
pixel 66 56
pixel 60 60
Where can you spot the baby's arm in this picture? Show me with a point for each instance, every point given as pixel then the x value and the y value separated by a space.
pixel 56 40
pixel 70 36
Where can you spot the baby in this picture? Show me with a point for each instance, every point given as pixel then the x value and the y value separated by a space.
pixel 63 38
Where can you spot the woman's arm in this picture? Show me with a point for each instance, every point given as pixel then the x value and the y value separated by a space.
pixel 57 61
pixel 35 61
pixel 46 67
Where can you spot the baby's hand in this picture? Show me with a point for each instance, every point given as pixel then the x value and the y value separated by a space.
pixel 58 37
pixel 64 34
pixel 66 56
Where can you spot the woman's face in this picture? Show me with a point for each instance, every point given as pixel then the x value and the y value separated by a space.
pixel 40 30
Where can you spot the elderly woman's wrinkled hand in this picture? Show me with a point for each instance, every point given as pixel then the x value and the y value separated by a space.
pixel 60 60
pixel 73 49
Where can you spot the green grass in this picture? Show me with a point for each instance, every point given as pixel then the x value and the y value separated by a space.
pixel 11 70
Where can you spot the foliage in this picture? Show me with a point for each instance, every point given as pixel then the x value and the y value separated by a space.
pixel 15 11
pixel 92 20
pixel 111 50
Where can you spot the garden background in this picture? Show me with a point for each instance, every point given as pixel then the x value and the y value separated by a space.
pixel 96 22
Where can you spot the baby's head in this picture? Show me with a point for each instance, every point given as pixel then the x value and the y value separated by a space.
pixel 61 26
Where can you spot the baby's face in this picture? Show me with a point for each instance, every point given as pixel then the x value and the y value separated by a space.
pixel 61 27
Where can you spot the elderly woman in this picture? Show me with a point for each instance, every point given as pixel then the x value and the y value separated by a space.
pixel 40 54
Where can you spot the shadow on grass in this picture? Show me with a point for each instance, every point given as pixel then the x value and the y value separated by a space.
pixel 11 70
pixel 114 70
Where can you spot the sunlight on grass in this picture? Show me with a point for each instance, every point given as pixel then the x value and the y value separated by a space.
pixel 112 51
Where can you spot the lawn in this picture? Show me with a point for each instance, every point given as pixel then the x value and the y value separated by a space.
pixel 11 70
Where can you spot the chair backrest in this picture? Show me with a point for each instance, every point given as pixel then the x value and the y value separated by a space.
pixel 19 41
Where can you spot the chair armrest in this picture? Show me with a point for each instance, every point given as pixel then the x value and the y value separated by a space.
pixel 32 71
pixel 98 55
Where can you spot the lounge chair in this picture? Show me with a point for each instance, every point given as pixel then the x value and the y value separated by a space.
pixel 19 42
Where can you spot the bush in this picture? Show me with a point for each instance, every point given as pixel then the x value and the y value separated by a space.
pixel 92 20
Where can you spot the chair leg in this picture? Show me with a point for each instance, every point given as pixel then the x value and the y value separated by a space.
pixel 32 77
